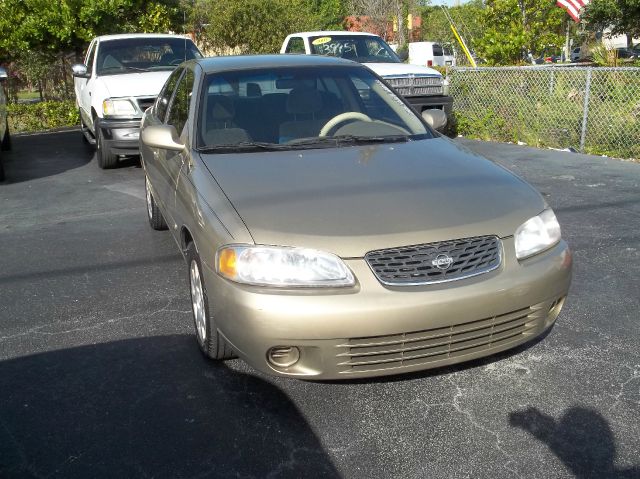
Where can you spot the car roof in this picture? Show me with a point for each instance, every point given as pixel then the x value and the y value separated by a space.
pixel 249 62
pixel 121 36
pixel 331 32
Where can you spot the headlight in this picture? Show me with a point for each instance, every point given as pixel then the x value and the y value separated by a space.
pixel 537 234
pixel 282 267
pixel 118 108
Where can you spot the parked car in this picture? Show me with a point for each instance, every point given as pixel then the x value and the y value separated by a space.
pixel 576 54
pixel 426 54
pixel 626 53
pixel 423 87
pixel 336 234
pixel 119 80
pixel 5 136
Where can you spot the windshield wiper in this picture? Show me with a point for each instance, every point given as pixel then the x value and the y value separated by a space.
pixel 303 143
pixel 244 146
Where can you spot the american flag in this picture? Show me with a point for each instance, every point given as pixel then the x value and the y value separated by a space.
pixel 572 7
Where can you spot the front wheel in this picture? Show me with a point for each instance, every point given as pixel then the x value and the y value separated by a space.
pixel 211 343
pixel 156 220
pixel 106 159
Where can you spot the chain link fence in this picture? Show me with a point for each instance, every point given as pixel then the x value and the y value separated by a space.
pixel 590 109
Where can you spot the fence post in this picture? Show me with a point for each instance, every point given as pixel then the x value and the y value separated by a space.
pixel 585 112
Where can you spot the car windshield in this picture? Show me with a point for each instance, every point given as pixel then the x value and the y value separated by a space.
pixel 360 48
pixel 297 108
pixel 141 54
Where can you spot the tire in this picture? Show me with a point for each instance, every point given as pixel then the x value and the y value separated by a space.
pixel 106 159
pixel 156 220
pixel 210 342
pixel 6 141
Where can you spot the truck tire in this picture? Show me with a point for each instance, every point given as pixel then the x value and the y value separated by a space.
pixel 6 141
pixel 106 159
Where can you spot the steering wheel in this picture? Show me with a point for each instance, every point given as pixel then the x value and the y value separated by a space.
pixel 341 118
pixel 176 61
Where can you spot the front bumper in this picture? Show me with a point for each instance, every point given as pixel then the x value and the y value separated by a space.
pixel 121 136
pixel 440 102
pixel 374 330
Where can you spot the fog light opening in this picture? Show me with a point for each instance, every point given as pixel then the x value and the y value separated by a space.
pixel 555 308
pixel 283 356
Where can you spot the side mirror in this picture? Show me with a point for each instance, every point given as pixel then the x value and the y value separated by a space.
pixel 403 54
pixel 80 70
pixel 436 119
pixel 162 136
pixel 3 74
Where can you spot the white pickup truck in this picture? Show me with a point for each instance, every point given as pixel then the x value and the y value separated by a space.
pixel 424 88
pixel 120 78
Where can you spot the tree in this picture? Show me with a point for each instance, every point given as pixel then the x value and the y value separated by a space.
pixel 378 15
pixel 249 26
pixel 515 28
pixel 622 16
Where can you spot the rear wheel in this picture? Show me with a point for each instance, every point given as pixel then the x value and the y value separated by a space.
pixel 156 220
pixel 211 343
pixel 106 159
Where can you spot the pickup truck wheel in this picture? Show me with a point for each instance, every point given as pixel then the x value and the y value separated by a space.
pixel 211 343
pixel 6 141
pixel 83 128
pixel 156 220
pixel 106 159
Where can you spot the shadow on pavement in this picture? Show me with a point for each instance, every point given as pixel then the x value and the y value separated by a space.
pixel 582 439
pixel 149 407
pixel 49 154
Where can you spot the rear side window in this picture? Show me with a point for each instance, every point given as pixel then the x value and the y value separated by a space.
pixel 179 111
pixel 296 45
pixel 437 50
pixel 162 103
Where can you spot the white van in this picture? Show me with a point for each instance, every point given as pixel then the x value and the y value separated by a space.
pixel 426 54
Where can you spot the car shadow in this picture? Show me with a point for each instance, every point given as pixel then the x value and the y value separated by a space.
pixel 582 439
pixel 42 155
pixel 148 407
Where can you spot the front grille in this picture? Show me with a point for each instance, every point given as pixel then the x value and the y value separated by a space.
pixel 145 102
pixel 440 344
pixel 412 85
pixel 427 263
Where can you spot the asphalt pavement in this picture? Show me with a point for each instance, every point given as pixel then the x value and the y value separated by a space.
pixel 100 375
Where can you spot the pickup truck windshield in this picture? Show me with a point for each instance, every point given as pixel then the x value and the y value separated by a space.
pixel 300 108
pixel 359 48
pixel 131 55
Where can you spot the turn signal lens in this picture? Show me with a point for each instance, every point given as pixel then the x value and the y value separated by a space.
pixel 227 262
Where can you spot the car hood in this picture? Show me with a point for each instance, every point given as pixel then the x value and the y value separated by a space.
pixel 135 84
pixel 400 69
pixel 356 199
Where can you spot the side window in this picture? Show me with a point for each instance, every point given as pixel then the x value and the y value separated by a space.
pixel 296 45
pixel 90 56
pixel 162 103
pixel 179 111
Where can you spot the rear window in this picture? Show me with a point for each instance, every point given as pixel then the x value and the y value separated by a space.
pixel 437 50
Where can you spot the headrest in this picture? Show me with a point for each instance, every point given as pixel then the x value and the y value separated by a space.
pixel 221 108
pixel 303 101
pixel 253 89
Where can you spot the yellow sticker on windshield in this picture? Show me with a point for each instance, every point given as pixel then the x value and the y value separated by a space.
pixel 321 40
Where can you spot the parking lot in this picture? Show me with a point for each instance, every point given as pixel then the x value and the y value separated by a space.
pixel 100 375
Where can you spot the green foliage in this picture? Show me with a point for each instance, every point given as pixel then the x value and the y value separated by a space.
pixel 250 26
pixel 622 16
pixel 42 116
pixel 467 17
pixel 544 108
pixel 52 26
pixel 329 14
pixel 516 27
